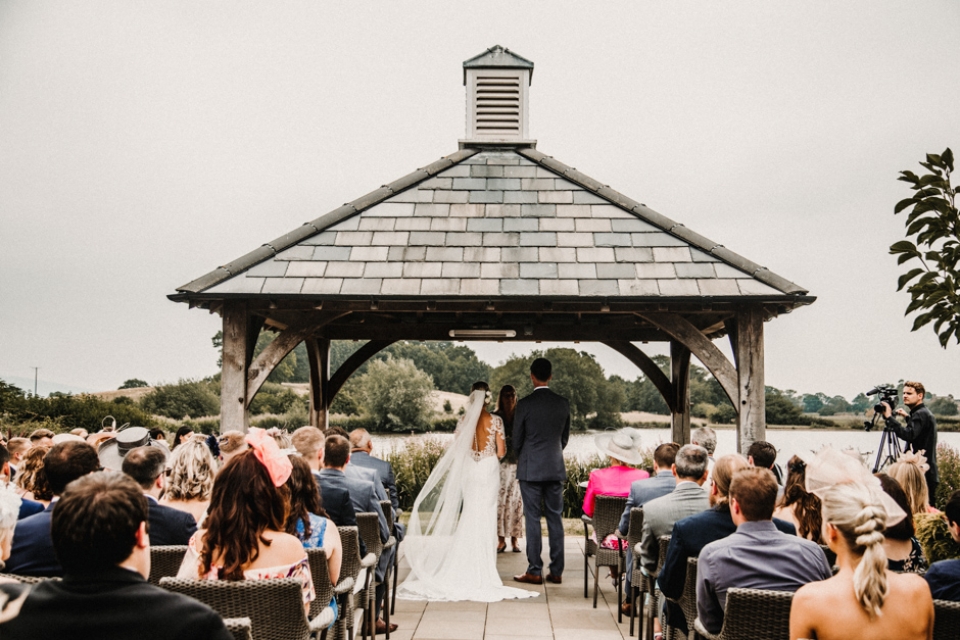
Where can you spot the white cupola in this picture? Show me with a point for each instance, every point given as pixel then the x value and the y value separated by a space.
pixel 498 86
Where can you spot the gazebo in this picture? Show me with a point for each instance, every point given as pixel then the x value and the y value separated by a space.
pixel 497 241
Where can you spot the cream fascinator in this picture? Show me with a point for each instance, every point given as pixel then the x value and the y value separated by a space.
pixel 918 459
pixel 829 467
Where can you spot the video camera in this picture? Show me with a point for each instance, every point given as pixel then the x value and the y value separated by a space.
pixel 889 443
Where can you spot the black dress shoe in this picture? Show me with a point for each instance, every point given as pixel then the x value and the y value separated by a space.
pixel 528 578
pixel 554 579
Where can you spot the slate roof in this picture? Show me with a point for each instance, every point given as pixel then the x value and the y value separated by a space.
pixel 496 222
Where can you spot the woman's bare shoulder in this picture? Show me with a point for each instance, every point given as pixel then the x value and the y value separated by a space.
pixel 909 585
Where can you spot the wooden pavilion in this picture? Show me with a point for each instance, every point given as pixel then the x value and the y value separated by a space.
pixel 497 241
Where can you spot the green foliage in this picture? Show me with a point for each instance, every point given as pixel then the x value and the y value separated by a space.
pixel 296 417
pixel 943 406
pixel 395 392
pixel 133 383
pixel 725 414
pixel 194 398
pixel 207 426
pixel 412 466
pixel 948 466
pixel 578 470
pixel 447 407
pixel 933 239
pixel 780 409
pixel 813 402
pixel 347 400
pixel 935 538
pixel 835 405
pixel 274 398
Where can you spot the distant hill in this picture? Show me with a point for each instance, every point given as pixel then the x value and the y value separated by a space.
pixel 44 387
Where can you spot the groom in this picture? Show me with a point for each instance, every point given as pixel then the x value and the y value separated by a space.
pixel 541 428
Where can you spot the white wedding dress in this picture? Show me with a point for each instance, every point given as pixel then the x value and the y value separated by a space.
pixel 452 534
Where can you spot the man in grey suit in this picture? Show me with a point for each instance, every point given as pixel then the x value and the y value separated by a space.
pixel 643 491
pixel 541 429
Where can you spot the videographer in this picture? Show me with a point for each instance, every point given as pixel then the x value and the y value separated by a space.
pixel 920 432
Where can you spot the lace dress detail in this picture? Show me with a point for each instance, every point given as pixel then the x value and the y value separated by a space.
pixel 490 446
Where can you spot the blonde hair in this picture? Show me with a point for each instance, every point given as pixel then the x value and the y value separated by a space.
pixel 231 441
pixel 909 474
pixel 723 471
pixel 191 472
pixel 860 517
pixel 308 441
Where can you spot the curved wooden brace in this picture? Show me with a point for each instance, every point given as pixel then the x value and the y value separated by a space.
pixel 277 350
pixel 656 375
pixel 683 331
pixel 351 364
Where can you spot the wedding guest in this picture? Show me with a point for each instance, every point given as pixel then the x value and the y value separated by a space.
pixel 18 448
pixel 27 507
pixel 159 435
pixel 334 495
pixel 231 443
pixel 80 433
pixel 10 504
pixel 509 502
pixel 31 479
pixel 910 472
pixel 42 437
pixel 757 555
pixel 706 438
pixel 361 454
pixel 763 454
pixel 797 506
pixel 183 434
pixel 281 437
pixel 167 526
pixel 903 551
pixel 190 480
pixel 944 576
pixel 99 533
pixel 865 599
pixel 245 537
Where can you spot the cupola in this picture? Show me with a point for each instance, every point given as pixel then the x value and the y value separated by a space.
pixel 498 86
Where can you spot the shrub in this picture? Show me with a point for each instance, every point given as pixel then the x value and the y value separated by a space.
pixel 948 466
pixel 396 393
pixel 725 414
pixel 274 398
pixel 349 423
pixel 293 419
pixel 193 398
pixel 412 466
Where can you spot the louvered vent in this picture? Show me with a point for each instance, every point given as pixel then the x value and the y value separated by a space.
pixel 498 106
pixel 498 85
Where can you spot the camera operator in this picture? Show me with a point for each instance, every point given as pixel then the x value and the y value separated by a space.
pixel 920 432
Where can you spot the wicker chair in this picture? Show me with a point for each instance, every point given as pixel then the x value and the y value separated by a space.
pixel 26 579
pixel 368 524
pixel 352 590
pixel 321 581
pixel 239 628
pixel 165 561
pixel 606 517
pixel 688 599
pixel 946 623
pixel 275 607
pixel 751 614
pixel 640 585
pixel 391 543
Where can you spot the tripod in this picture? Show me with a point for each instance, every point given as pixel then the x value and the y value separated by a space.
pixel 889 444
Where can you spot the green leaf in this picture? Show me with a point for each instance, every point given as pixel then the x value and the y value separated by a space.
pixel 921 320
pixel 903 204
pixel 904 246
pixel 947 158
pixel 907 277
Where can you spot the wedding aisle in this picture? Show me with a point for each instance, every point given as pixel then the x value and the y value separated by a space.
pixel 560 612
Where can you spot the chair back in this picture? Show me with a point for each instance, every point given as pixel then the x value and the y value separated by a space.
pixel 387 507
pixel 664 542
pixel 369 525
pixel 321 581
pixel 350 541
pixel 635 532
pixel 606 514
pixel 688 599
pixel 26 579
pixel 239 628
pixel 756 613
pixel 946 622
pixel 165 561
pixel 275 607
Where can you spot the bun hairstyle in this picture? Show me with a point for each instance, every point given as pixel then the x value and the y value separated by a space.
pixel 859 516
pixel 806 508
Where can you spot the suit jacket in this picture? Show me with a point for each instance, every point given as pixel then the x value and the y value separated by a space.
pixel 384 470
pixel 114 604
pixel 32 550
pixel 659 515
pixel 335 499
pixel 28 508
pixel 366 473
pixel 541 429
pixel 362 494
pixel 643 491
pixel 168 525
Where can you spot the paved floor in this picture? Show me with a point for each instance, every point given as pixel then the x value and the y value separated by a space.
pixel 560 612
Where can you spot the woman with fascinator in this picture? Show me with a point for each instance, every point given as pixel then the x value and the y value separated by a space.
pixel 864 600
pixel 450 540
pixel 244 538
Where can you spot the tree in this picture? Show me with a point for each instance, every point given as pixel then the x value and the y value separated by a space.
pixel 944 406
pixel 780 408
pixel 397 394
pixel 192 398
pixel 934 225
pixel 813 402
pixel 134 383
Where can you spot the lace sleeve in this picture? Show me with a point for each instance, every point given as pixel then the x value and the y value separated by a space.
pixel 497 424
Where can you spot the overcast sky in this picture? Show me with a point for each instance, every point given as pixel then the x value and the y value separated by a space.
pixel 144 144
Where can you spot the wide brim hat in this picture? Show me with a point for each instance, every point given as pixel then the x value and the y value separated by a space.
pixel 622 444
pixel 113 451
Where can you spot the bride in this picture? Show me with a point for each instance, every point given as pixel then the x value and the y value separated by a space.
pixel 451 538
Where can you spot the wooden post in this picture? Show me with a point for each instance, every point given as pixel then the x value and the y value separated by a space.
pixel 680 368
pixel 237 352
pixel 318 352
pixel 751 424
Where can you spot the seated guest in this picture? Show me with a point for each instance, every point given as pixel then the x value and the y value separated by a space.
pixel 26 507
pixel 706 438
pixel 864 600
pixel 167 526
pixel 334 495
pixel 183 434
pixel 192 468
pixel 18 448
pixel 244 538
pixel 99 533
pixel 691 534
pixel 797 506
pixel 32 553
pixel 80 432
pixel 763 454
pixel 42 438
pixel 31 479
pixel 910 473
pixel 361 455
pixel 757 555
pixel 903 551
pixel 944 576
pixel 159 436
pixel 643 491
pixel 622 447
pixel 357 471
pixel 231 443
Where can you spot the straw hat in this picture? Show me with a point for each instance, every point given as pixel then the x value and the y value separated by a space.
pixel 113 451
pixel 622 444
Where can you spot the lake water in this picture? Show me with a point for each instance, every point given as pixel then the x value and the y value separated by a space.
pixel 787 441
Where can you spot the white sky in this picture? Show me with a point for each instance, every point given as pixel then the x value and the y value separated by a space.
pixel 144 144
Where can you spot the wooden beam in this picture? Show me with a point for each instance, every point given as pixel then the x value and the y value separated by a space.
pixel 233 376
pixel 357 358
pixel 586 332
pixel 680 370
pixel 684 332
pixel 318 353
pixel 649 368
pixel 751 424
pixel 731 325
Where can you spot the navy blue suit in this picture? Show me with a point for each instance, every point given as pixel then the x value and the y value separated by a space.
pixel 32 550
pixel 28 508
pixel 384 470
pixel 689 537
pixel 168 525
pixel 335 499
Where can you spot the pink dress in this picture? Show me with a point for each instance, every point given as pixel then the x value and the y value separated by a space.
pixel 610 481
